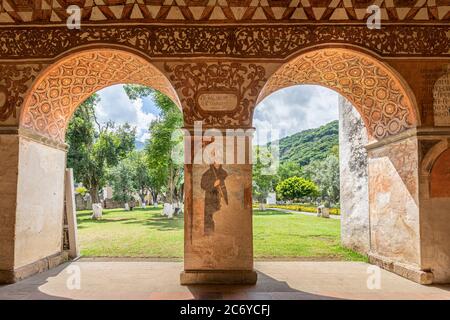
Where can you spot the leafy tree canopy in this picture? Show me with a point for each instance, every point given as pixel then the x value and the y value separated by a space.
pixel 93 147
pixel 296 188
pixel 136 91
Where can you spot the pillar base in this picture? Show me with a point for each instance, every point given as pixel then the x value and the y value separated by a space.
pixel 13 276
pixel 192 277
pixel 406 271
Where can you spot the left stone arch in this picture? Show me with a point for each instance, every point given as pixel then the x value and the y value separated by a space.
pixel 65 85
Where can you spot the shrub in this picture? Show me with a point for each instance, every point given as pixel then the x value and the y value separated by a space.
pixel 296 188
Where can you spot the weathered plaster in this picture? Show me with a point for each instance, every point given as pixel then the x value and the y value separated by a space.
pixel 353 178
pixel 393 201
pixel 40 202
pixel 230 246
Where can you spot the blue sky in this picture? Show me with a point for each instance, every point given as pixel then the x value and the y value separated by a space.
pixel 289 110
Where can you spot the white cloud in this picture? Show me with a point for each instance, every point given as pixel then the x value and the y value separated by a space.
pixel 294 109
pixel 286 111
pixel 116 106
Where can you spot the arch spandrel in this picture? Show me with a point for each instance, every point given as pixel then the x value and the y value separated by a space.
pixel 380 96
pixel 64 86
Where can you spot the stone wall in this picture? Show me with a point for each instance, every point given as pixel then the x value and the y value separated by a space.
pixel 354 178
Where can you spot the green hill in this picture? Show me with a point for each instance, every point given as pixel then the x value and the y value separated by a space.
pixel 310 145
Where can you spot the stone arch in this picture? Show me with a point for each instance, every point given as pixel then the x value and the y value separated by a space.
pixel 440 176
pixel 64 85
pixel 435 202
pixel 383 99
pixel 431 157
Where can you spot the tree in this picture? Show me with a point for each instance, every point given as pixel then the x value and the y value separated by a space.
pixel 121 179
pixel 141 177
pixel 136 91
pixel 165 173
pixel 161 146
pixel 296 188
pixel 94 147
pixel 325 174
pixel 289 169
pixel 263 183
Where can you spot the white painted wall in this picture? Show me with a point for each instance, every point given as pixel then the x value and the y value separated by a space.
pixel 40 202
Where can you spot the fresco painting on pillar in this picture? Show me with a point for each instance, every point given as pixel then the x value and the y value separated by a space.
pixel 216 194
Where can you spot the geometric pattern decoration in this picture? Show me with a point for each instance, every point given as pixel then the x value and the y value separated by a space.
pixel 54 11
pixel 61 89
pixel 240 41
pixel 376 93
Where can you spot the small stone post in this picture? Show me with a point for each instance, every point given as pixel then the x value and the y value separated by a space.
pixel 74 251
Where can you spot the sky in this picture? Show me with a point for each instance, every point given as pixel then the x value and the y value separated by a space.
pixel 287 111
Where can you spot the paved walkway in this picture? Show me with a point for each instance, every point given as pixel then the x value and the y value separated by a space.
pixel 159 280
pixel 332 216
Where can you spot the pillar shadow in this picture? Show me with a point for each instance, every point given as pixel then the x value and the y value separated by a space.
pixel 267 288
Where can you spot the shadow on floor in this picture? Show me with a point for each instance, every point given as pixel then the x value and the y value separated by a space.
pixel 267 288
pixel 28 289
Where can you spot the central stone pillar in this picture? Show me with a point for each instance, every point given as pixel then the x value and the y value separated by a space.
pixel 218 208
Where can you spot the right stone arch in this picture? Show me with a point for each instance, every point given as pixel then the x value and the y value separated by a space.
pixel 391 233
pixel 384 100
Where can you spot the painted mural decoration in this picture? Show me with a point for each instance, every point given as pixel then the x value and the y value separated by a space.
pixel 213 184
pixel 216 195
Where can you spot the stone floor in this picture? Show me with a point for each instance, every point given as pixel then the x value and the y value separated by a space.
pixel 159 280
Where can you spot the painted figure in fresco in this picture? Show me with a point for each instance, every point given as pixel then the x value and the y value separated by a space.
pixel 213 182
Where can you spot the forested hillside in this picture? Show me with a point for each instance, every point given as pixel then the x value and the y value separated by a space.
pixel 307 146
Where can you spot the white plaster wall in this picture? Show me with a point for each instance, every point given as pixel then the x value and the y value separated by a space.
pixel 40 202
pixel 353 178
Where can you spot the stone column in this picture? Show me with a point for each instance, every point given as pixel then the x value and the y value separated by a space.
pixel 218 209
pixel 31 206
pixel 354 179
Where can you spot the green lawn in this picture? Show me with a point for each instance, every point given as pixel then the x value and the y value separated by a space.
pixel 145 233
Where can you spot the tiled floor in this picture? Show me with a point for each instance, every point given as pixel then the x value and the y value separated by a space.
pixel 160 280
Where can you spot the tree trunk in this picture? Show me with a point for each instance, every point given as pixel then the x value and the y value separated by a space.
pixel 94 195
pixel 262 205
pixel 171 183
pixel 154 197
pixel 142 196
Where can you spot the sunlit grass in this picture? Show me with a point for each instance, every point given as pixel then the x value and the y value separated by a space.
pixel 145 233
